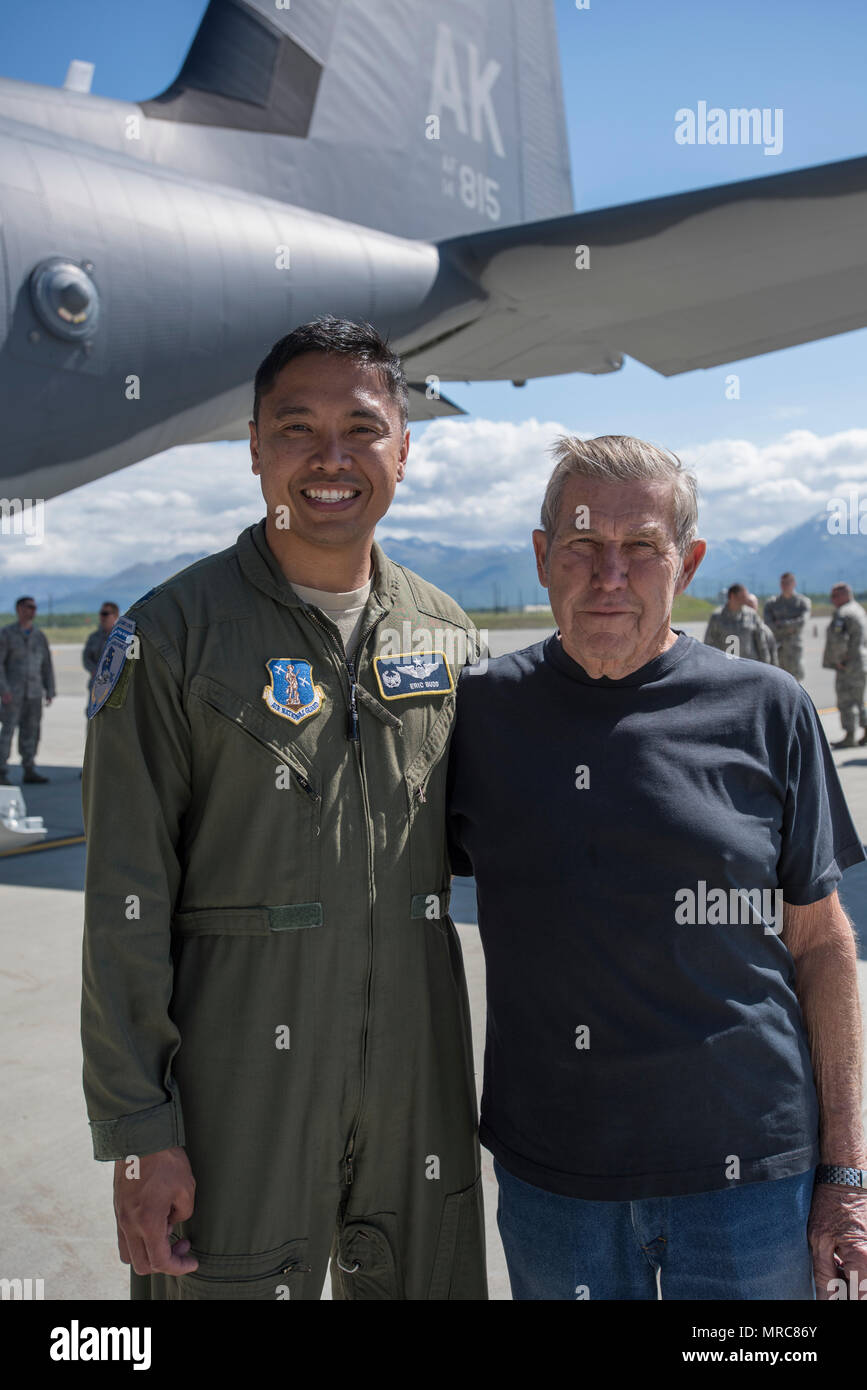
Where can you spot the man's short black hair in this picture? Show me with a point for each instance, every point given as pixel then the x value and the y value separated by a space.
pixel 736 589
pixel 359 341
pixel 25 598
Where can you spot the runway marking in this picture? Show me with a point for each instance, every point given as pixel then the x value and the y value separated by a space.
pixel 43 844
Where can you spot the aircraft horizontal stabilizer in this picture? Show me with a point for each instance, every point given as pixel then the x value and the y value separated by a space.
pixel 229 426
pixel 423 406
pixel 689 281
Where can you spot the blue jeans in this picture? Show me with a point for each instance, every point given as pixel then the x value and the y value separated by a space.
pixel 744 1242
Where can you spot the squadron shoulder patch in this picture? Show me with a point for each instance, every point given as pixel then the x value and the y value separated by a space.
pixel 412 673
pixel 291 692
pixel 119 643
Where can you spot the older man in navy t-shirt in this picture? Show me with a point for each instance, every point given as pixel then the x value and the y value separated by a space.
pixel 656 832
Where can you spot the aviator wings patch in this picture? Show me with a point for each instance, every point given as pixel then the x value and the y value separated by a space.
pixel 412 673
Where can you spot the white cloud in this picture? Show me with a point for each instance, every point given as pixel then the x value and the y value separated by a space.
pixel 469 482
pixel 474 482
pixel 753 492
pixel 190 500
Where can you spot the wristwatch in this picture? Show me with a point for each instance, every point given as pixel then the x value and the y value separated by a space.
pixel 843 1177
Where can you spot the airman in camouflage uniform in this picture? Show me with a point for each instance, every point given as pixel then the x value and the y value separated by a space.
pixel 26 673
pixel 773 655
pixel 786 616
pixel 736 629
pixel 846 653
pixel 93 647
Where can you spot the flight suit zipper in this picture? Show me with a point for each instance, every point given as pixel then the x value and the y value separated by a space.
pixel 354 736
pixel 353 704
pixel 305 785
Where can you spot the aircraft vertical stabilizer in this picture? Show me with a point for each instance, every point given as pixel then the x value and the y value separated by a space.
pixel 422 121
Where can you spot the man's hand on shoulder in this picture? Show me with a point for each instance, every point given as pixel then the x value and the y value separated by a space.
pixel 146 1208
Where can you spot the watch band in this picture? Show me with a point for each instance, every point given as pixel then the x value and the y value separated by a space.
pixel 843 1177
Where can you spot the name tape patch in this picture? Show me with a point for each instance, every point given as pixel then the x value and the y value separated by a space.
pixel 412 673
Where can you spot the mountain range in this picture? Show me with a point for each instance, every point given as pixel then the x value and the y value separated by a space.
pixel 504 576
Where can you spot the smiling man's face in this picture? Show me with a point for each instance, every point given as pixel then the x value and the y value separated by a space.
pixel 329 447
pixel 612 581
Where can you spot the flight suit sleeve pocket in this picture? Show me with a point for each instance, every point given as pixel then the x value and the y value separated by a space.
pixel 459 1263
pixel 272 1275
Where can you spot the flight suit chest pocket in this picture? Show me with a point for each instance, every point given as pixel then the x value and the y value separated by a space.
pixel 262 800
pixel 425 780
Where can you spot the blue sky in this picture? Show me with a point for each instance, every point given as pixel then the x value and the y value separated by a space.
pixel 627 67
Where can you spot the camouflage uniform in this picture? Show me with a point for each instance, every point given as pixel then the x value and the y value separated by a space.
pixel 773 649
pixel 786 616
pixel 846 646
pixel 746 626
pixel 26 672
pixel 92 652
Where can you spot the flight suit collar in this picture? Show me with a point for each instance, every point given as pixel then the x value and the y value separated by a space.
pixel 259 566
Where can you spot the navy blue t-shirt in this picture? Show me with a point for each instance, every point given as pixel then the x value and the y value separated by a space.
pixel 627 839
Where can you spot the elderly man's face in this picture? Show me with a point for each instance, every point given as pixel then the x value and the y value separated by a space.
pixel 612 580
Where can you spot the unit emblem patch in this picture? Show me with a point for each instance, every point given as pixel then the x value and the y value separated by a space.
pixel 119 641
pixel 291 692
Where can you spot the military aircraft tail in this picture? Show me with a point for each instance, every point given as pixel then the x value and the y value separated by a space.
pixel 425 121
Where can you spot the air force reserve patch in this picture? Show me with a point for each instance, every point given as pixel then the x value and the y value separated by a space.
pixel 119 643
pixel 412 673
pixel 291 693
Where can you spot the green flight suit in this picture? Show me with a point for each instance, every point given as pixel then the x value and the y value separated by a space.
pixel 270 975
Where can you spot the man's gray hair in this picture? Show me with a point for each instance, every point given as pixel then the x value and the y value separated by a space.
pixel 621 458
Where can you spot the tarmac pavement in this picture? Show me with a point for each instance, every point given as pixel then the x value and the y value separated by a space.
pixel 56 1218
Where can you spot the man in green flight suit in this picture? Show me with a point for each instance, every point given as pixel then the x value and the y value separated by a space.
pixel 274 1017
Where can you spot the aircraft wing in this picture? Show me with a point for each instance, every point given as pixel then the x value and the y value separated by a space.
pixel 693 280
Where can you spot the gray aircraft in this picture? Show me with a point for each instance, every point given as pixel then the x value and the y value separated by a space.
pixel 379 159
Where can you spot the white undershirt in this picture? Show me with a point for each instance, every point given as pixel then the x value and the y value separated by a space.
pixel 345 610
